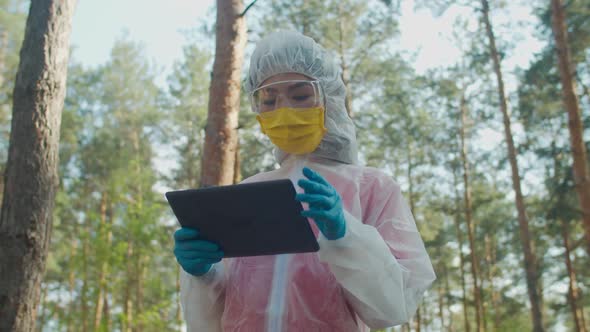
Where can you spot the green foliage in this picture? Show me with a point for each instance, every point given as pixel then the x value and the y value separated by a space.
pixel 108 217
pixel 111 220
pixel 187 114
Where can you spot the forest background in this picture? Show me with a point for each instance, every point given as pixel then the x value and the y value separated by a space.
pixel 461 102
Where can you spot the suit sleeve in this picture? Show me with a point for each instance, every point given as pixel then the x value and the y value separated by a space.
pixel 202 299
pixel 381 262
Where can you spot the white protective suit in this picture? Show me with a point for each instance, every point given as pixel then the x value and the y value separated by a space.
pixel 374 276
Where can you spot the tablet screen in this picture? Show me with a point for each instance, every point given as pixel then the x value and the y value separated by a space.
pixel 252 219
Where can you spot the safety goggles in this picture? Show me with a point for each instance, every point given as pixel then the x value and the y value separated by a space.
pixel 293 93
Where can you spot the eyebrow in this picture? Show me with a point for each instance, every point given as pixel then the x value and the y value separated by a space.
pixel 297 85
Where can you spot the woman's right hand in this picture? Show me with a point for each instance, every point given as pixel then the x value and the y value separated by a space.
pixel 196 256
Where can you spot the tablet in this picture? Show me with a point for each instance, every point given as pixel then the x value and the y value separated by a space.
pixel 252 219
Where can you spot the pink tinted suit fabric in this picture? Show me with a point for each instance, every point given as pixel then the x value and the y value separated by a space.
pixel 373 277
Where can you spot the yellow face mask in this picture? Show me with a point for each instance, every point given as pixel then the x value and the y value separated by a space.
pixel 294 130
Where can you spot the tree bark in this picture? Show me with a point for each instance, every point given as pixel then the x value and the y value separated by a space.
pixel 128 300
pixel 85 278
pixel 139 289
pixel 71 285
pixel 491 262
pixel 447 290
pixel 237 164
pixel 468 219
pixel 441 291
pixel 530 261
pixel 31 178
pixel 461 257
pixel 570 102
pixel 219 152
pixel 410 153
pixel 105 238
pixel 573 292
pixel 106 312
pixel 178 315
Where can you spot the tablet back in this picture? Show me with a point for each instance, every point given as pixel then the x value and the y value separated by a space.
pixel 253 219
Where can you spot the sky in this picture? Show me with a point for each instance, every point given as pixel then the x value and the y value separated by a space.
pixel 159 26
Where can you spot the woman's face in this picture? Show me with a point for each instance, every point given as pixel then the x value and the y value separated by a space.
pixel 286 90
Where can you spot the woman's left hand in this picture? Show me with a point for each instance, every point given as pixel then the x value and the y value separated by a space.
pixel 325 204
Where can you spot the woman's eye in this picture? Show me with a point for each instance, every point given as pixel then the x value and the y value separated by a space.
pixel 268 102
pixel 301 97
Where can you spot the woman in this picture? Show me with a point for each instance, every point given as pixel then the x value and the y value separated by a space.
pixel 372 267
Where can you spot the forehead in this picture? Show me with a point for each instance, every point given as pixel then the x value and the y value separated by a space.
pixel 286 77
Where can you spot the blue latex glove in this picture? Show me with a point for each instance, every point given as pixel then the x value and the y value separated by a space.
pixel 325 204
pixel 196 256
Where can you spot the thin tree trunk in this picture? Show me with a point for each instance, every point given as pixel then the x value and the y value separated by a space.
pixel 237 171
pixel 447 290
pixel 570 101
pixel 134 254
pixel 530 261
pixel 441 293
pixel 487 278
pixel 106 314
pixel 219 152
pixel 178 305
pixel 31 171
pixel 141 262
pixel 461 257
pixel 128 300
pixel 102 237
pixel 491 262
pixel 573 292
pixel 72 283
pixel 85 277
pixel 417 320
pixel 468 219
pixel 495 293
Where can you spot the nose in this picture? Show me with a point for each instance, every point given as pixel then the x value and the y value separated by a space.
pixel 282 101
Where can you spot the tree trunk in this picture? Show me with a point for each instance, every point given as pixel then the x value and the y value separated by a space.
pixel 237 171
pixel 441 292
pixel 31 178
pixel 178 305
pixel 128 300
pixel 106 238
pixel 219 152
pixel 491 262
pixel 106 312
pixel 447 290
pixel 461 257
pixel 141 262
pixel 570 101
pixel 85 278
pixel 530 261
pixel 468 219
pixel 72 282
pixel 573 292
pixel 417 320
